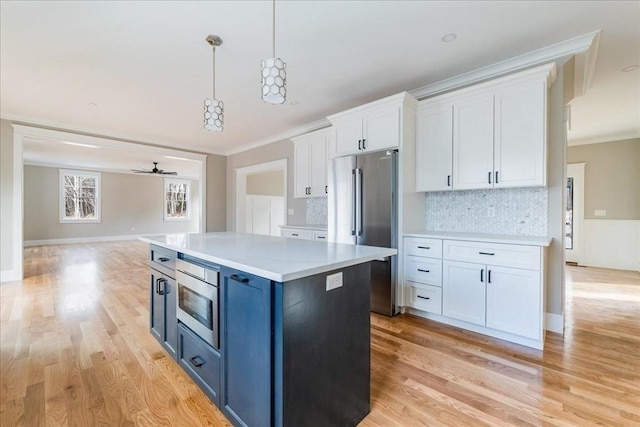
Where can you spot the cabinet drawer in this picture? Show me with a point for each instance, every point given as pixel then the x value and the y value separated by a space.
pixel 419 246
pixel 294 233
pixel 320 235
pixel 426 298
pixel 423 270
pixel 516 256
pixel 163 260
pixel 200 361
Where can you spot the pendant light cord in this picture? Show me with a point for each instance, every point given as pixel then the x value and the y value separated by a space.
pixel 214 72
pixel 274 28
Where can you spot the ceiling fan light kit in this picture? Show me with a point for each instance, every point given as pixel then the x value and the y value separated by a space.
pixel 214 108
pixel 274 73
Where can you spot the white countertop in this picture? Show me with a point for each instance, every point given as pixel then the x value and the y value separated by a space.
pixel 321 227
pixel 482 237
pixel 275 258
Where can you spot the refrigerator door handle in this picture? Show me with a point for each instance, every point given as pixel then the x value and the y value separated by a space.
pixel 360 202
pixel 354 199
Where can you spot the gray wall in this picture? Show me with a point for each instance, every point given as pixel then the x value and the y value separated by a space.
pixel 266 183
pixel 612 178
pixel 6 195
pixel 267 153
pixel 130 205
pixel 216 193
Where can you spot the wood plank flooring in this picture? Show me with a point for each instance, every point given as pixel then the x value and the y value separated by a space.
pixel 76 351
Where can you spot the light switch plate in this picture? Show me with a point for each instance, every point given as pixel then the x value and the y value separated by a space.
pixel 599 212
pixel 334 281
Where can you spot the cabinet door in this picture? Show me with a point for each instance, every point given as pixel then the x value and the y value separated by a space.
pixel 520 139
pixel 170 290
pixel 318 166
pixel 347 133
pixel 302 174
pixel 514 301
pixel 246 348
pixel 157 307
pixel 473 142
pixel 463 291
pixel 381 129
pixel 434 148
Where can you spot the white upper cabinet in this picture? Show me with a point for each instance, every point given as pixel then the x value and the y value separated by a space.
pixel 473 142
pixel 310 164
pixel 498 134
pixel 434 153
pixel 371 127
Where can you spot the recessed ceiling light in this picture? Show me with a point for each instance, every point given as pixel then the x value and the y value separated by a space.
pixel 631 68
pixel 448 38
pixel 77 144
pixel 93 105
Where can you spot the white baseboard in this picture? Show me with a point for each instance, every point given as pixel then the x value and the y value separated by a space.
pixel 10 275
pixel 95 239
pixel 611 243
pixel 554 322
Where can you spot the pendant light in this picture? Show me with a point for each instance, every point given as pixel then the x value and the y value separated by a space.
pixel 274 73
pixel 213 108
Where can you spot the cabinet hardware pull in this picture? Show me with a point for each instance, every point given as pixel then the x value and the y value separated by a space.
pixel 326 189
pixel 161 291
pixel 488 276
pixel 158 285
pixel 196 361
pixel 486 253
pixel 482 275
pixel 359 144
pixel 239 279
pixel 424 271
pixel 364 147
pixel 489 175
pixel 448 180
pixel 421 297
pixel 496 177
pixel 294 234
pixel 321 237
pixel 163 259
pixel 424 247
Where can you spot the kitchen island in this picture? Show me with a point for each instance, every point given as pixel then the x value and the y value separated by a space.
pixel 293 323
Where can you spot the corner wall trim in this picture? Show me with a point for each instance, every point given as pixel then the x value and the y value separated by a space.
pixel 97 239
pixel 554 323
pixel 10 275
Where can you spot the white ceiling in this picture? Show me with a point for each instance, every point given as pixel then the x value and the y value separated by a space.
pixel 141 70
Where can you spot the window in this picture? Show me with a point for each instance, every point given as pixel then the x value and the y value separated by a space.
pixel 176 200
pixel 79 196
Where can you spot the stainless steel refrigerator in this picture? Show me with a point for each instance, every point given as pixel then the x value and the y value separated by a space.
pixel 362 210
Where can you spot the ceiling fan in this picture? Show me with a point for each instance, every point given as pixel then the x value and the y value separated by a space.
pixel 155 170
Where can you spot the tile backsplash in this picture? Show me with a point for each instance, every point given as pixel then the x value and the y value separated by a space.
pixel 316 210
pixel 515 211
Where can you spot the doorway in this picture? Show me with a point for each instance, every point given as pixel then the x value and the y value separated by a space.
pixel 261 198
pixel 574 214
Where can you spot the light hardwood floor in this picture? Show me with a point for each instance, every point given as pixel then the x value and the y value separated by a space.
pixel 76 350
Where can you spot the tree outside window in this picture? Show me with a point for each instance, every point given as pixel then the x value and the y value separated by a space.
pixel 79 196
pixel 176 200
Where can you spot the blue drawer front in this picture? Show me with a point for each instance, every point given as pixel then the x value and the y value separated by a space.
pixel 200 361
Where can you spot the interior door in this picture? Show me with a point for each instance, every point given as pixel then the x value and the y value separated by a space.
pixel 574 213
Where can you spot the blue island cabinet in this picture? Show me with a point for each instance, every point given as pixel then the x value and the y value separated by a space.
pixel 295 353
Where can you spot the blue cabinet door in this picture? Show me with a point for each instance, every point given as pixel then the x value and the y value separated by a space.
pixel 246 348
pixel 171 320
pixel 157 307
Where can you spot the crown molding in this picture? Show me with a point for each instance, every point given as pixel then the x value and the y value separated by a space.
pixel 309 127
pixel 568 47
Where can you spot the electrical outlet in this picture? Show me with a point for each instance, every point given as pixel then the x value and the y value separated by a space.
pixel 491 211
pixel 290 211
pixel 334 281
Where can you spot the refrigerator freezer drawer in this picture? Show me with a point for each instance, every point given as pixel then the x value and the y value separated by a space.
pixel 423 247
pixel 423 270
pixel 426 298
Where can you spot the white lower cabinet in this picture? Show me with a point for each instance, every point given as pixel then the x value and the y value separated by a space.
pixel 463 292
pixel 305 233
pixel 492 288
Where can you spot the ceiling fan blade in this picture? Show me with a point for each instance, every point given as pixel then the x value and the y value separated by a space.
pixel 168 173
pixel 139 171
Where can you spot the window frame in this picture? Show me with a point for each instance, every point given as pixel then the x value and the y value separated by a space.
pixel 61 196
pixel 165 187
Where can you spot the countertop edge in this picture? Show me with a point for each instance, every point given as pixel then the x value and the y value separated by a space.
pixel 384 252
pixel 541 241
pixel 306 227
